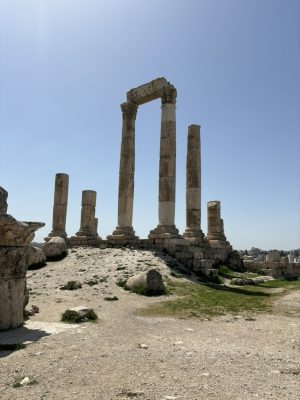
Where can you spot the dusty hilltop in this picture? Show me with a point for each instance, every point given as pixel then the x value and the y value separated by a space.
pixel 128 353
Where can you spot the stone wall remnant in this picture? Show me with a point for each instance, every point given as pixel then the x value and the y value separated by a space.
pixel 15 238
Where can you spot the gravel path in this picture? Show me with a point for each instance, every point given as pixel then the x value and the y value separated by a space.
pixel 125 356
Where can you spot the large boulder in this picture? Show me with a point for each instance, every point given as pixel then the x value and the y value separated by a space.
pixel 148 283
pixel 55 248
pixel 36 257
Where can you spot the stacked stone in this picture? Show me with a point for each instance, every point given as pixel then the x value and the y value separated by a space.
pixel 60 206
pixel 215 228
pixel 87 234
pixel 15 251
pixel 166 228
pixel 215 231
pixel 124 231
pixel 193 185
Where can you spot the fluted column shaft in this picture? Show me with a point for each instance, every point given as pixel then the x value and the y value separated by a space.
pixel 124 229
pixel 60 205
pixel 167 165
pixel 193 183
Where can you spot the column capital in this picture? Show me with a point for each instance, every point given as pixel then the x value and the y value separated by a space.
pixel 169 95
pixel 129 110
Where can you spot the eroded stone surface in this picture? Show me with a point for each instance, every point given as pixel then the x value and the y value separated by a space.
pixel 60 206
pixel 3 200
pixel 55 247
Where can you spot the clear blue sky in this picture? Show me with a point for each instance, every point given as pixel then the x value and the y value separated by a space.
pixel 66 65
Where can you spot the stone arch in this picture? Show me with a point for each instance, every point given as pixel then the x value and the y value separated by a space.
pixel 158 88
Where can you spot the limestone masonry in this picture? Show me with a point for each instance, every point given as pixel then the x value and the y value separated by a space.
pixel 15 252
pixel 198 252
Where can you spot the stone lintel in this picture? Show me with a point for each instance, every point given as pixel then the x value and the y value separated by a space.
pixel 148 91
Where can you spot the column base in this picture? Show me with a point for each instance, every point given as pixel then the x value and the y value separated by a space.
pixel 56 233
pixel 123 235
pixel 85 240
pixel 164 232
pixel 194 235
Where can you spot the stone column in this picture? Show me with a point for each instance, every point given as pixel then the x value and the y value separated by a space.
pixel 60 206
pixel 124 229
pixel 167 167
pixel 215 228
pixel 88 204
pixel 15 251
pixel 193 184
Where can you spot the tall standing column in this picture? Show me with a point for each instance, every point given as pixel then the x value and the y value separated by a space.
pixel 167 167
pixel 124 229
pixel 88 204
pixel 193 184
pixel 60 206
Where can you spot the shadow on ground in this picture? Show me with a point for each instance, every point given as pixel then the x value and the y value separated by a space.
pixel 17 339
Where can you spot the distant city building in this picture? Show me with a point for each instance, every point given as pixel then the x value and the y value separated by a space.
pixel 273 256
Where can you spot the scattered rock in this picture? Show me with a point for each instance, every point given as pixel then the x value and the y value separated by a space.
pixel 143 346
pixel 55 248
pixel 71 285
pixel 36 258
pixel 25 381
pixel 148 283
pixel 111 298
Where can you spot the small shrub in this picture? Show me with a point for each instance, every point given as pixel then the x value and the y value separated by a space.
pixel 74 317
pixel 290 278
pixel 175 274
pixel 92 282
pixel 109 298
pixel 121 283
pixel 71 285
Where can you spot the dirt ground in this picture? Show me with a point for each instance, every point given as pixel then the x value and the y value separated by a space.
pixel 124 356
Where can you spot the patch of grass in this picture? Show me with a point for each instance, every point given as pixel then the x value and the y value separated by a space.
pixel 205 300
pixel 71 285
pixel 148 292
pixel 74 317
pixel 226 272
pixel 281 283
pixel 175 274
pixel 111 298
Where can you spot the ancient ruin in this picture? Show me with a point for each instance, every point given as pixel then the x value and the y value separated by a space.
pixel 60 206
pixel 87 234
pixel 193 185
pixel 198 252
pixel 15 239
pixel 158 88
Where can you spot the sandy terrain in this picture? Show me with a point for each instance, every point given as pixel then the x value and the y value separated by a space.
pixel 223 358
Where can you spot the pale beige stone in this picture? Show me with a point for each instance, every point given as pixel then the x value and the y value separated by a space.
pixel 60 206
pixel 87 221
